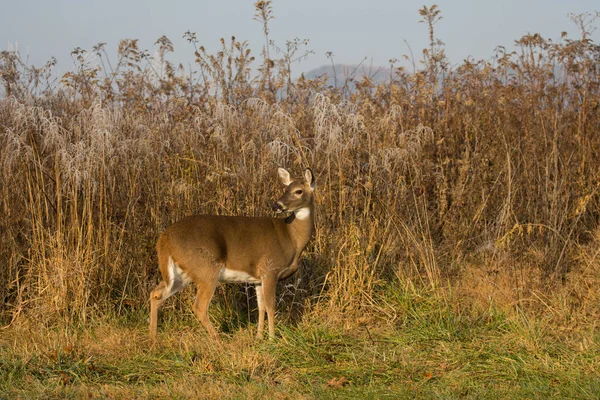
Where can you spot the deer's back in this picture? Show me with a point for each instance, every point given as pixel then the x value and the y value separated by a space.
pixel 238 242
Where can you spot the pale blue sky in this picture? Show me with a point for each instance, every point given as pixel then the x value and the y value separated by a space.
pixel 350 29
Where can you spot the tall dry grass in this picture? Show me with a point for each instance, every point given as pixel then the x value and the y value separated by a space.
pixel 492 164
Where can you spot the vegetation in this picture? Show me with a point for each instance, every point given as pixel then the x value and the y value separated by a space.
pixel 457 244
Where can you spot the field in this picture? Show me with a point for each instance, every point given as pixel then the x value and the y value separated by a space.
pixel 457 244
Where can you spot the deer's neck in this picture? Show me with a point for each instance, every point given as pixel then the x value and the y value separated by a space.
pixel 300 226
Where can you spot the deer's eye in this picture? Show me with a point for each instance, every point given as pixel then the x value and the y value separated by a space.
pixel 298 192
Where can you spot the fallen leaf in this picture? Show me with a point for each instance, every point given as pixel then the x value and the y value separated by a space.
pixel 338 382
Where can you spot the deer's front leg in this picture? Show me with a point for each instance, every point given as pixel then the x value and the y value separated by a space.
pixel 269 284
pixel 289 271
pixel 261 310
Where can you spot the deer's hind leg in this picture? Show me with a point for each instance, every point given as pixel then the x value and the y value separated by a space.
pixel 204 293
pixel 206 280
pixel 173 281
pixel 156 299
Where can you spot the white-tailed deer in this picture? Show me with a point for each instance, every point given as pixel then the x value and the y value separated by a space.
pixel 208 249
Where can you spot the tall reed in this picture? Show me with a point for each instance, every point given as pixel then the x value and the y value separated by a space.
pixel 487 162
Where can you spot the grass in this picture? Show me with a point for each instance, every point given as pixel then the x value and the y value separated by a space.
pixel 455 252
pixel 432 349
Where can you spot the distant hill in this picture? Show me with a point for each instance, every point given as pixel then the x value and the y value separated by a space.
pixel 342 72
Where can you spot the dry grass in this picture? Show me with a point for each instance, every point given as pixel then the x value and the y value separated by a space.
pixel 430 348
pixel 477 185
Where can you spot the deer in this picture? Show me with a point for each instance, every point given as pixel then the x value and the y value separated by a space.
pixel 209 249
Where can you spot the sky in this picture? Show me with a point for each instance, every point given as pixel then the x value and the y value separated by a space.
pixel 352 30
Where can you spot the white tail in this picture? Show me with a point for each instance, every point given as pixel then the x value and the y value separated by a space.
pixel 207 249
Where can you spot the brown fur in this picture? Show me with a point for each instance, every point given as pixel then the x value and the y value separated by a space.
pixel 266 249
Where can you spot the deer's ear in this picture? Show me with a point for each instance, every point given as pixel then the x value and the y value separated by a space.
pixel 284 176
pixel 309 178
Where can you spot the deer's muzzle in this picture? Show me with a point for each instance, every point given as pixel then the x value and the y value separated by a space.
pixel 278 207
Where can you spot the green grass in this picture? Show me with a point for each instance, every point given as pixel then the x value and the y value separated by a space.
pixel 429 349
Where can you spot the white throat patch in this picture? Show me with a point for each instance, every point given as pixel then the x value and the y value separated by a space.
pixel 303 213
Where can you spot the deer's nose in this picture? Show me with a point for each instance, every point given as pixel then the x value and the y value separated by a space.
pixel 277 206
